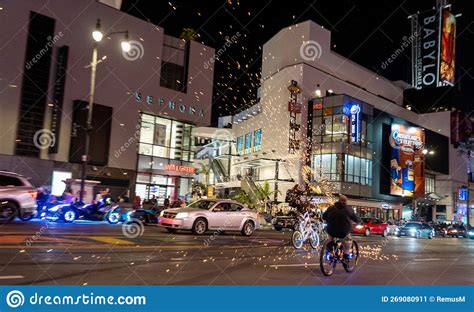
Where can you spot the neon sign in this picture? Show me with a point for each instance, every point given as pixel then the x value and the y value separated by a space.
pixel 176 168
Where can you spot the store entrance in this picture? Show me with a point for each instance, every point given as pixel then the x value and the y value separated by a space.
pixel 160 192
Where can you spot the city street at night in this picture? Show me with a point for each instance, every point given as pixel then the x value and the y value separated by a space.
pixel 97 253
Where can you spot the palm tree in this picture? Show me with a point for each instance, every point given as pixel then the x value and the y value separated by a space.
pixel 188 34
pixel 244 198
pixel 206 170
pixel 264 193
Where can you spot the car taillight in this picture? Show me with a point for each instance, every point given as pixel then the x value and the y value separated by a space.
pixel 33 194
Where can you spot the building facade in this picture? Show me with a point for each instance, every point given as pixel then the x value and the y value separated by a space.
pixel 147 102
pixel 321 110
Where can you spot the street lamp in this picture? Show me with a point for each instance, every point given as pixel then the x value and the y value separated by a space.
pixel 97 35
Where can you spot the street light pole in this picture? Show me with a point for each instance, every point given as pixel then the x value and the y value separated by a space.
pixel 88 129
pixel 97 36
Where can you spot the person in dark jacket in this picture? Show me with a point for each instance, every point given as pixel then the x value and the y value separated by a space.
pixel 339 218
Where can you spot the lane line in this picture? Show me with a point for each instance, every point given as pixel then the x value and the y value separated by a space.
pixel 293 265
pixel 7 277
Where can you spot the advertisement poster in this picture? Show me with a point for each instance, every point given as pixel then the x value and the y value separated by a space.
pixel 426 60
pixel 354 112
pixel 448 48
pixel 406 161
pixel 160 135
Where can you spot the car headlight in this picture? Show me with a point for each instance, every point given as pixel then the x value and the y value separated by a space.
pixel 471 233
pixel 455 231
pixel 162 213
pixel 412 230
pixel 359 226
pixel 182 215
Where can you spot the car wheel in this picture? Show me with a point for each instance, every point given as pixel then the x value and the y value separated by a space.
pixel 248 228
pixel 277 228
pixel 69 215
pixel 385 233
pixel 430 236
pixel 113 218
pixel 8 211
pixel 367 232
pixel 200 226
pixel 171 230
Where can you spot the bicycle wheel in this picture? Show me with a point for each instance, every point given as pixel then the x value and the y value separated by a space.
pixel 314 240
pixel 327 258
pixel 297 239
pixel 350 265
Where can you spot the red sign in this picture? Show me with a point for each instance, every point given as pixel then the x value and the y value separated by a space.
pixel 318 105
pixel 294 107
pixel 186 169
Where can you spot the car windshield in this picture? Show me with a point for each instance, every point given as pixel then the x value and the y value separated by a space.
pixel 365 220
pixel 413 225
pixel 202 204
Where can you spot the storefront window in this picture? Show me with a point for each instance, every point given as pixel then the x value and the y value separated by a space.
pixel 163 142
pixel 429 184
pixel 358 170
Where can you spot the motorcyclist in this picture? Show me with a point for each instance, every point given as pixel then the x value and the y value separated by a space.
pixel 339 218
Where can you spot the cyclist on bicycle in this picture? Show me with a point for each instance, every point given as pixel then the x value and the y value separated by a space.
pixel 339 218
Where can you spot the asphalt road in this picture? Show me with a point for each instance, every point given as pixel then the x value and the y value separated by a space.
pixel 99 254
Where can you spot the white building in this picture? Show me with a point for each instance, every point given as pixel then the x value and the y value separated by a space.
pixel 147 102
pixel 302 53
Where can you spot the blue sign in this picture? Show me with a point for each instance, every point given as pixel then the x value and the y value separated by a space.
pixel 462 193
pixel 354 112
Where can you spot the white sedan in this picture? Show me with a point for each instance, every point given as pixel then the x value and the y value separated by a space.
pixel 211 214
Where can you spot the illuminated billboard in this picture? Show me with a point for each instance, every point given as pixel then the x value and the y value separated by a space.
pixel 448 48
pixel 406 161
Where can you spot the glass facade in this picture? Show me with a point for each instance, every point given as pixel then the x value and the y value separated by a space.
pixel 343 141
pixel 164 145
pixel 429 184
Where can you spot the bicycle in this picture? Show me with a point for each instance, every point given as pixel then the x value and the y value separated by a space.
pixel 333 252
pixel 306 230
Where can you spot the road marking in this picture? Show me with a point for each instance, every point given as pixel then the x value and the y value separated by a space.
pixel 293 265
pixel 7 277
pixel 111 240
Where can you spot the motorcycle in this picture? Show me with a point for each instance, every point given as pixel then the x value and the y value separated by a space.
pixel 92 212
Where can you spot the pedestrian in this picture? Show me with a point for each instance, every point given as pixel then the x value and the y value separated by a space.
pixel 166 202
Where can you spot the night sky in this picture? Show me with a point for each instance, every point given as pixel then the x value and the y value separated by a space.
pixel 367 32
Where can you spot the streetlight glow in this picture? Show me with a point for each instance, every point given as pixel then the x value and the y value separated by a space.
pixel 425 151
pixel 97 34
pixel 126 43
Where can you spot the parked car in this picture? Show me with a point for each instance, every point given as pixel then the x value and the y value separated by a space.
pixel 417 230
pixel 289 221
pixel 440 230
pixel 17 196
pixel 371 226
pixel 457 230
pixel 211 214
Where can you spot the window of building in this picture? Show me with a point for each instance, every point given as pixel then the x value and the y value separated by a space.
pixel 240 144
pixel 429 184
pixel 257 139
pixel 174 64
pixel 324 167
pixel 248 141
pixel 357 170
